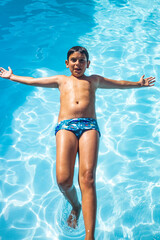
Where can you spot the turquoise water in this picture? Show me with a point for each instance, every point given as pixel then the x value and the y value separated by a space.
pixel 124 43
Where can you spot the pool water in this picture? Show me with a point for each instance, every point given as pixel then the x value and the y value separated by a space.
pixel 123 40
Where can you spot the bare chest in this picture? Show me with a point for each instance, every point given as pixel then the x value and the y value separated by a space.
pixel 80 88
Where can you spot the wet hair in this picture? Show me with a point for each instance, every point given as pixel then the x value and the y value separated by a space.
pixel 79 49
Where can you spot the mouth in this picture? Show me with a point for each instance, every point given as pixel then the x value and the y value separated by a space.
pixel 77 69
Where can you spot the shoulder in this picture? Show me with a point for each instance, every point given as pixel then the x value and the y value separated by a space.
pixel 60 78
pixel 94 79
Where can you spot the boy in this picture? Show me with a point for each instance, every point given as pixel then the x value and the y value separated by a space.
pixel 77 130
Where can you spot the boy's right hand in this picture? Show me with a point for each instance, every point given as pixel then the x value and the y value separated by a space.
pixel 5 74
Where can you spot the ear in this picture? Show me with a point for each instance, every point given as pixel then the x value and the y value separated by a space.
pixel 67 62
pixel 88 63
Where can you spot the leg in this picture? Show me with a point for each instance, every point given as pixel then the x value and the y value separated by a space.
pixel 66 150
pixel 88 152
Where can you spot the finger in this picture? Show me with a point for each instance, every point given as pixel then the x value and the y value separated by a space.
pixel 151 82
pixel 150 78
pixel 142 77
pixel 2 69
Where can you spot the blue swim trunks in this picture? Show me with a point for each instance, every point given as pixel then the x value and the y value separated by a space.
pixel 78 125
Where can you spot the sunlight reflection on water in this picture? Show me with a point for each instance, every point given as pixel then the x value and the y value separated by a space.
pixel 122 45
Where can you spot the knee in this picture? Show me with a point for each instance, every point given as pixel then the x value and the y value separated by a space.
pixel 64 181
pixel 87 179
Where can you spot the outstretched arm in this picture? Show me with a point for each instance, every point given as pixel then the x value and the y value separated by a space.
pixel 122 84
pixel 51 82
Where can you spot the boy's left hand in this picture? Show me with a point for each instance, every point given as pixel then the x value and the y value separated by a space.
pixel 146 82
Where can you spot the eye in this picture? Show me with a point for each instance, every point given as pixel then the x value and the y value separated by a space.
pixel 73 59
pixel 82 60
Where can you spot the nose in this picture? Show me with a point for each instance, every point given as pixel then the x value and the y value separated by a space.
pixel 77 62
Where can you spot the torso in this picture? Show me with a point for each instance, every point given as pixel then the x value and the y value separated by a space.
pixel 77 97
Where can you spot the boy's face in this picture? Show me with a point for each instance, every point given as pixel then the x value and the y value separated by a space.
pixel 77 64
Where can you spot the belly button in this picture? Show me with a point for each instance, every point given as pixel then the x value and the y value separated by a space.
pixel 77 102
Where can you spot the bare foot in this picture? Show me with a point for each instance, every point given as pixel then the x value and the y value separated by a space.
pixel 73 217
